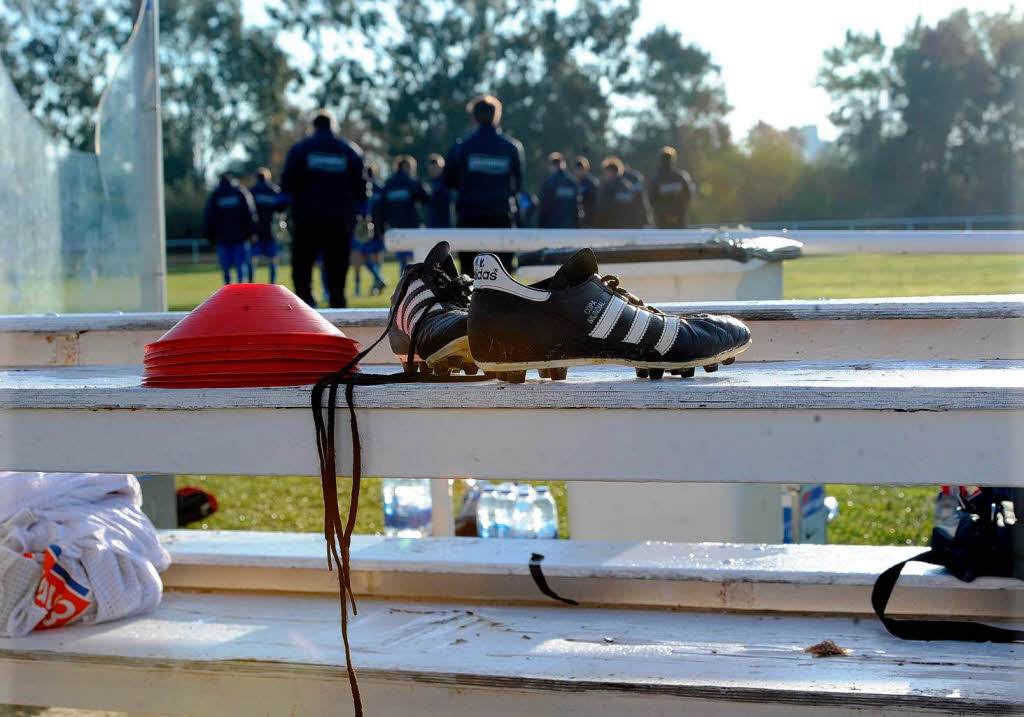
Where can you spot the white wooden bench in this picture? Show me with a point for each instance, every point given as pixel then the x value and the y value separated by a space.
pixel 900 422
pixel 939 327
pixel 834 579
pixel 970 327
pixel 248 625
pixel 477 637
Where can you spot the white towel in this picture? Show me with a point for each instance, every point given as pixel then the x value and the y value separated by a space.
pixel 75 547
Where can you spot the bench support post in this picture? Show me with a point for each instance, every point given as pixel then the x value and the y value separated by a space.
pixel 441 507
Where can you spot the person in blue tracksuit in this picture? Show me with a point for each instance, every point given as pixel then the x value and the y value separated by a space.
pixel 325 176
pixel 619 203
pixel 589 187
pixel 486 169
pixel 229 223
pixel 559 197
pixel 269 202
pixel 403 194
pixel 671 192
pixel 366 253
pixel 439 208
pixel 639 182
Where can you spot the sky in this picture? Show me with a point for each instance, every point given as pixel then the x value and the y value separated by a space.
pixel 769 52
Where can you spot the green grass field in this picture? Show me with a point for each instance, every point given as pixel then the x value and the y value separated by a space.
pixel 835 277
pixel 877 515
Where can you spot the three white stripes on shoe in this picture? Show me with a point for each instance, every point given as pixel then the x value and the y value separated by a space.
pixel 641 320
pixel 411 310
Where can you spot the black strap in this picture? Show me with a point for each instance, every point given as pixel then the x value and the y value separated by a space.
pixel 542 583
pixel 932 629
pixel 337 534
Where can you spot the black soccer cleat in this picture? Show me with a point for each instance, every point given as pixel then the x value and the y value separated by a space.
pixel 429 312
pixel 577 317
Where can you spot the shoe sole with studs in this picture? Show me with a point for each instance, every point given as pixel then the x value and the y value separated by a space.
pixel 451 359
pixel 556 370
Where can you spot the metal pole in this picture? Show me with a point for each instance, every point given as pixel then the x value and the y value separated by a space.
pixel 152 239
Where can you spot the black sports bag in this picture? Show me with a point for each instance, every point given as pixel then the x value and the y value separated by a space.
pixel 983 538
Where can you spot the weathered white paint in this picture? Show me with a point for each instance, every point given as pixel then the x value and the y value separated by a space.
pixel 859 385
pixel 246 654
pixel 985 306
pixel 812 578
pixel 600 510
pixel 775 340
pixel 862 423
pixel 886 338
pixel 965 327
pixel 815 241
pixel 442 520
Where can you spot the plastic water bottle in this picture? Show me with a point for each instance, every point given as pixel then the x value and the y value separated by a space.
pixel 547 513
pixel 485 508
pixel 503 505
pixel 524 523
pixel 407 507
pixel 832 506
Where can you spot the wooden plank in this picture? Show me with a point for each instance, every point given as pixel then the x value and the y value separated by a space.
pixel 191 649
pixel 966 327
pixel 777 446
pixel 834 579
pixel 815 241
pixel 774 340
pixel 857 385
pixel 936 339
pixel 994 306
pixel 790 429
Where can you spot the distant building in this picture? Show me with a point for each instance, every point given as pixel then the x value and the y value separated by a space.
pixel 809 142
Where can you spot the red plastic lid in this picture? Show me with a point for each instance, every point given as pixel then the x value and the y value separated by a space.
pixel 251 309
pixel 235 355
pixel 254 341
pixel 251 381
pixel 271 351
pixel 229 368
pixel 248 335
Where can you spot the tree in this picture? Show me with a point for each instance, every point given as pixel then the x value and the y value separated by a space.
pixel 223 88
pixel 934 126
pixel 679 100
pixel 552 70
pixel 58 54
pixel 339 36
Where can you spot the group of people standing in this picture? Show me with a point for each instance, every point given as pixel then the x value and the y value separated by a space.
pixel 338 204
pixel 621 201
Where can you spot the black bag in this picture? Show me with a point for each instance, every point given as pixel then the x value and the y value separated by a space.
pixel 194 504
pixel 982 539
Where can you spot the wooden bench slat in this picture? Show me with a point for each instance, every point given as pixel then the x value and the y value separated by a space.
pixel 982 306
pixel 859 423
pixel 406 651
pixel 955 327
pixel 859 385
pixel 816 578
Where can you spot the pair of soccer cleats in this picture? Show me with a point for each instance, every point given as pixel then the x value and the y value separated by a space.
pixel 442 322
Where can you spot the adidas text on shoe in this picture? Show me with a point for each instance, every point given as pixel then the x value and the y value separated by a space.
pixel 428 319
pixel 577 318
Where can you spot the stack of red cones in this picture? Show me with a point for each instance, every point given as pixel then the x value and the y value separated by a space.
pixel 248 335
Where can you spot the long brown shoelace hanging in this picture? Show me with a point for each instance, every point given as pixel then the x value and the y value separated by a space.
pixel 338 536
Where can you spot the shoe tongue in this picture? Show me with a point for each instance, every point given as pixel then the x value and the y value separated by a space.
pixel 581 266
pixel 441 257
